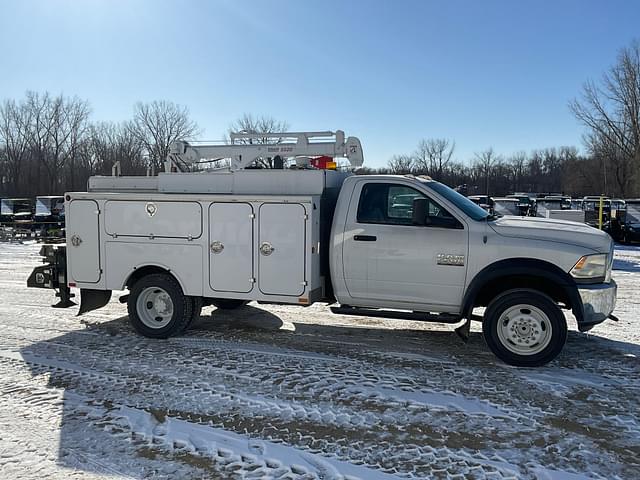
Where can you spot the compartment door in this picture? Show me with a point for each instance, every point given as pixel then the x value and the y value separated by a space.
pixel 83 241
pixel 281 249
pixel 231 247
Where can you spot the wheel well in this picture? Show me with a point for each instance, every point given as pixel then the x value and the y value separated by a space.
pixel 496 286
pixel 140 272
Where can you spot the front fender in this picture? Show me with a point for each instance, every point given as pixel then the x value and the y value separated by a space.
pixel 552 276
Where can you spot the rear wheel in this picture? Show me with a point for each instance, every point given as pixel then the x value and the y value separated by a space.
pixel 157 306
pixel 197 310
pixel 524 328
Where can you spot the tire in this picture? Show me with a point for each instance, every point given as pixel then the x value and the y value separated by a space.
pixel 228 303
pixel 197 310
pixel 157 306
pixel 524 328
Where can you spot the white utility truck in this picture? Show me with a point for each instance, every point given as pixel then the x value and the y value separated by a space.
pixel 374 245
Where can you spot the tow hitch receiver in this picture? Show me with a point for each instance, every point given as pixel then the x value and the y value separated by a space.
pixel 53 274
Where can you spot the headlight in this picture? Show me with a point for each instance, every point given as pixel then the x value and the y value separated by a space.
pixel 591 267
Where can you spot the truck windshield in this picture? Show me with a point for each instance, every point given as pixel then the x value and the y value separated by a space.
pixel 463 203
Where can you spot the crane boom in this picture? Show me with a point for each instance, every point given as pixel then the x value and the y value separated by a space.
pixel 243 151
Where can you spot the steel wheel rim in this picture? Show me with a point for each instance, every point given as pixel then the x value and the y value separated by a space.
pixel 524 329
pixel 154 307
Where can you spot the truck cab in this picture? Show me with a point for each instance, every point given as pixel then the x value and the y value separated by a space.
pixel 447 255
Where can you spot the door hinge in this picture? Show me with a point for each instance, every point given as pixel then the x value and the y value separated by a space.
pixel 305 216
pixel 252 280
pixel 252 215
pixel 304 284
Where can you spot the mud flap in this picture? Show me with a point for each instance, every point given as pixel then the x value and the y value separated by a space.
pixel 463 330
pixel 93 299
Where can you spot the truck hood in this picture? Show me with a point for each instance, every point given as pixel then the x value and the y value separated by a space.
pixel 545 229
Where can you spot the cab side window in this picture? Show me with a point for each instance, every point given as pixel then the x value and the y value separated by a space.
pixel 392 204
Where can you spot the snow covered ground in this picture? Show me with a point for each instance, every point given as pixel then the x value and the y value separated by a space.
pixel 298 393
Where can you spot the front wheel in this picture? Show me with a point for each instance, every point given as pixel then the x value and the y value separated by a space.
pixel 524 328
pixel 157 306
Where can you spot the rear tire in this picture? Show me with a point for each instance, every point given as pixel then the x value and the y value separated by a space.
pixel 524 328
pixel 197 310
pixel 157 306
pixel 228 303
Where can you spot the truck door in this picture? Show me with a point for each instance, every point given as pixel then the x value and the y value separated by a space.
pixel 231 247
pixel 83 241
pixel 388 259
pixel 281 244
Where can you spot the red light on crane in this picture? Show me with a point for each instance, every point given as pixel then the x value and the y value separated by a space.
pixel 324 163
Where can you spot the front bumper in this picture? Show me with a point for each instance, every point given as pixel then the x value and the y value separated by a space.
pixel 598 302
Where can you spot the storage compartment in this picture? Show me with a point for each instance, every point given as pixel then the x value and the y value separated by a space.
pixel 231 247
pixel 153 219
pixel 281 249
pixel 183 262
pixel 83 241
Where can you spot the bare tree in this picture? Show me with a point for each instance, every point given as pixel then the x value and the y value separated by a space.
pixel 485 162
pixel 56 129
pixel 110 143
pixel 401 164
pixel 14 120
pixel 433 155
pixel 157 125
pixel 611 112
pixel 517 165
pixel 247 123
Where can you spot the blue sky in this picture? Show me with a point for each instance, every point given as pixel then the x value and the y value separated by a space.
pixel 484 73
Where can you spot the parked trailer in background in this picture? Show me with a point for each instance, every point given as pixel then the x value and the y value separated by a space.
pixel 373 245
pixel 16 216
pixel 49 218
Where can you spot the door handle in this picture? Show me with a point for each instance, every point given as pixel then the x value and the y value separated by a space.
pixel 365 238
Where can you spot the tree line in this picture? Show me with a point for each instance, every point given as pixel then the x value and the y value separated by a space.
pixel 50 144
pixel 547 170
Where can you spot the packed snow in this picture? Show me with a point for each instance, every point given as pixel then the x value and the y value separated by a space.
pixel 298 393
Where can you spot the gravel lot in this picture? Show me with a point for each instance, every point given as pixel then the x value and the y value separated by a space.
pixel 299 393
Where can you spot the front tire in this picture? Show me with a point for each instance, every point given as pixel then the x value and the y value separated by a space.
pixel 157 306
pixel 524 328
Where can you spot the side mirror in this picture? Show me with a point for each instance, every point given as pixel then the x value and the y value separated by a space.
pixel 420 214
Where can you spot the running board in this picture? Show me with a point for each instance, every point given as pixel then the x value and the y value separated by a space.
pixel 400 315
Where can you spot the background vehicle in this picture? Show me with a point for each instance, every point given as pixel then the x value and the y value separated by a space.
pixel 507 206
pixel 16 216
pixel 377 245
pixel 526 204
pixel 48 220
pixel 483 201
pixel 591 207
pixel 16 210
pixel 630 228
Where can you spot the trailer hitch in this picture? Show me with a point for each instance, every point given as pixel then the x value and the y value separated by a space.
pixel 53 274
